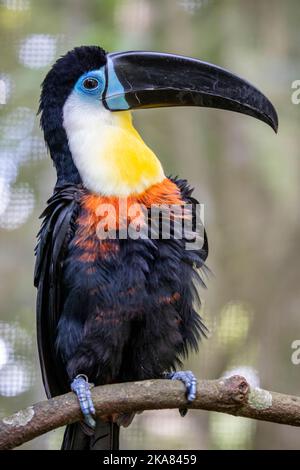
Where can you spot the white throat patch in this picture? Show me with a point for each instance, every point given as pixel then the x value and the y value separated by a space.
pixel 108 152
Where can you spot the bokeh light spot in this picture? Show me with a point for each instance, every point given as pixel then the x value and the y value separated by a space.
pixel 18 124
pixel 8 168
pixel 5 88
pixel 37 50
pixel 31 149
pixel 4 195
pixel 16 378
pixel 3 353
pixel 19 208
pixel 16 370
pixel 16 4
pixel 3 94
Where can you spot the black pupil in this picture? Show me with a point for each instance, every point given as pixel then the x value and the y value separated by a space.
pixel 90 83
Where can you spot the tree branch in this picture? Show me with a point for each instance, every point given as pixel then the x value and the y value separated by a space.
pixel 232 395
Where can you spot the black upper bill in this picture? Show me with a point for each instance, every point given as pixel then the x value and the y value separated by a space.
pixel 140 79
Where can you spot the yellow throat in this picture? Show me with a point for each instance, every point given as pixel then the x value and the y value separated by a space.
pixel 107 150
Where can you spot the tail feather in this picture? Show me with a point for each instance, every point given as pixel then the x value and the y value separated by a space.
pixel 106 437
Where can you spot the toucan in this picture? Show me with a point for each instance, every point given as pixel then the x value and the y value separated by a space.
pixel 113 308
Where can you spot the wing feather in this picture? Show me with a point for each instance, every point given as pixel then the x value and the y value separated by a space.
pixel 56 231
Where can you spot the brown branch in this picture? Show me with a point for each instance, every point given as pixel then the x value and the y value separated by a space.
pixel 232 395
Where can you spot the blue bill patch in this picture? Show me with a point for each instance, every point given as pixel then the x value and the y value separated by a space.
pixel 115 93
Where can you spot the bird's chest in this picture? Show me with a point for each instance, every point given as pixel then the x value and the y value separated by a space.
pixel 109 262
pixel 105 222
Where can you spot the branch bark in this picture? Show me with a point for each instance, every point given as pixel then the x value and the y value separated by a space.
pixel 232 395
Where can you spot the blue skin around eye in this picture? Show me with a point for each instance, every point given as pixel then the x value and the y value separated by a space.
pixel 114 96
pixel 97 92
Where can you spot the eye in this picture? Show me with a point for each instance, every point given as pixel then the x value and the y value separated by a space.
pixel 90 83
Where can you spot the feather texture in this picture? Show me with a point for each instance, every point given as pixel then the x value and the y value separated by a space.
pixel 113 309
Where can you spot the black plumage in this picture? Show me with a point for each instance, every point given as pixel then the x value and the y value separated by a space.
pixel 127 287
pixel 119 309
pixel 112 318
pixel 115 310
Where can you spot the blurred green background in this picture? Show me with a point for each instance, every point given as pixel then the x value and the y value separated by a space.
pixel 247 178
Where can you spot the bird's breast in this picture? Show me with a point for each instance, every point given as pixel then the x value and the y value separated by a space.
pixel 103 218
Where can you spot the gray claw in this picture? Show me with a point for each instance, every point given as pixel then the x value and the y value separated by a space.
pixel 189 380
pixel 82 388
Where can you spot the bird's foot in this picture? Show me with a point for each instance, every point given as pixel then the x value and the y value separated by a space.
pixel 82 388
pixel 190 382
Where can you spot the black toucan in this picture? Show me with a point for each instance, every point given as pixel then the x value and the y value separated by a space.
pixel 113 306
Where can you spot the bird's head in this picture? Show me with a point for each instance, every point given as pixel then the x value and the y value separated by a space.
pixel 85 111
